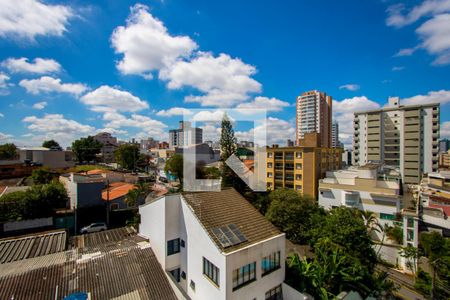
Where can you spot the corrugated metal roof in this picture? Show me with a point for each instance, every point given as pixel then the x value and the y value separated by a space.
pixel 114 264
pixel 28 246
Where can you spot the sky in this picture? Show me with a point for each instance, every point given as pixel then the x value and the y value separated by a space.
pixel 69 69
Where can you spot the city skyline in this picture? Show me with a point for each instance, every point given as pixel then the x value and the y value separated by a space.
pixel 84 70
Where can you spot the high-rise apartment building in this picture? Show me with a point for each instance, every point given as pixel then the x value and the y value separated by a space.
pixel 301 167
pixel 185 135
pixel 314 115
pixel 402 136
pixel 335 135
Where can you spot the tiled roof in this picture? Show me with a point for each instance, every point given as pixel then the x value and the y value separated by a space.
pixel 216 209
pixel 117 190
pixel 33 245
pixel 123 267
pixel 97 172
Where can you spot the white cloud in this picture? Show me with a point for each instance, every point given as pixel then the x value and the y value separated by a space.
pixel 4 137
pixel 40 105
pixel 146 44
pixel 269 104
pixel 445 130
pixel 31 18
pixel 350 87
pixel 442 96
pixel 106 98
pixel 343 113
pixel 47 84
pixel 225 81
pixel 150 126
pixel 209 116
pixel 174 111
pixel 406 52
pixel 4 84
pixel 112 131
pixel 56 123
pixel 435 34
pixel 276 131
pixel 396 17
pixel 397 68
pixel 1 115
pixel 211 131
pixel 38 66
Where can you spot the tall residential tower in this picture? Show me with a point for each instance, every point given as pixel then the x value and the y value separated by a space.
pixel 401 136
pixel 314 115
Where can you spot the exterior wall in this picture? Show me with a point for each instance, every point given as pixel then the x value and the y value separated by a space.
pixel 50 159
pixel 258 288
pixel 83 194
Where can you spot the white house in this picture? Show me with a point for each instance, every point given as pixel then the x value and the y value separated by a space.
pixel 217 246
pixel 52 159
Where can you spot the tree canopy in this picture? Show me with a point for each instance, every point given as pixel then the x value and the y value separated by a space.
pixel 127 155
pixel 42 176
pixel 174 165
pixel 51 144
pixel 8 151
pixel 86 149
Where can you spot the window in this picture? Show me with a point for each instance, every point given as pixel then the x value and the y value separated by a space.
pixel 274 294
pixel 244 275
pixel 298 187
pixel 298 176
pixel 114 206
pixel 192 285
pixel 175 274
pixel 269 165
pixel 298 166
pixel 269 154
pixel 173 246
pixel 387 216
pixel 211 271
pixel 269 175
pixel 270 263
pixel 183 244
pixel 298 154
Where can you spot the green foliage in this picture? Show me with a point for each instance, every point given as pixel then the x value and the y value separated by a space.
pixel 174 165
pixel 127 156
pixel 437 249
pixel 423 282
pixel 211 173
pixel 8 151
pixel 39 201
pixel 395 233
pixel 228 147
pixel 345 227
pixel 50 144
pixel 412 255
pixel 42 176
pixel 293 214
pixel 134 196
pixel 86 149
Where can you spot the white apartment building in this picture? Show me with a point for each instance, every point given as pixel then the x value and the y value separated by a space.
pixel 53 159
pixel 185 135
pixel 215 245
pixel 403 136
pixel 335 135
pixel 314 115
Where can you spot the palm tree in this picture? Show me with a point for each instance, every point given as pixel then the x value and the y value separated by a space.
pixel 373 225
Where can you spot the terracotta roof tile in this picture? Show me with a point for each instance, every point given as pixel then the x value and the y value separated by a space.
pixel 117 190
pixel 216 209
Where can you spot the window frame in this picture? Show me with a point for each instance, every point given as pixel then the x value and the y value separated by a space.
pixel 171 246
pixel 247 271
pixel 275 293
pixel 274 261
pixel 211 271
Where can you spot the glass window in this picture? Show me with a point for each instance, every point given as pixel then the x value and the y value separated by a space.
pixel 244 275
pixel 269 175
pixel 211 271
pixel 410 222
pixel 387 216
pixel 176 274
pixel 298 176
pixel 298 154
pixel 298 187
pixel 173 246
pixel 269 165
pixel 192 285
pixel 298 166
pixel 269 154
pixel 270 263
pixel 274 294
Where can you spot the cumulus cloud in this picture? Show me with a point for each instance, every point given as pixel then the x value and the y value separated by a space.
pixel 433 33
pixel 106 98
pixel 146 44
pixel 225 81
pixel 1 115
pixel 209 116
pixel 150 126
pixel 31 18
pixel 38 66
pixel 269 104
pixel 397 68
pixel 174 111
pixel 273 131
pixel 343 113
pixel 47 84
pixel 112 131
pixel 350 87
pixel 4 137
pixel 56 123
pixel 4 84
pixel 40 105
pixel 445 130
pixel 442 97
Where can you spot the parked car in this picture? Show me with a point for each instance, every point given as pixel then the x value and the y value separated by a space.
pixel 94 227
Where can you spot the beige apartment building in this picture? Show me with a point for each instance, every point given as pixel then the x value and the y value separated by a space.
pixel 301 167
pixel 401 136
pixel 444 160
pixel 314 114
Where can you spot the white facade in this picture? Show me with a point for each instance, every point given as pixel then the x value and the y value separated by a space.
pixel 171 217
pixel 53 159
pixel 185 135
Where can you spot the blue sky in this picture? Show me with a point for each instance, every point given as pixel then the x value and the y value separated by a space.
pixel 130 67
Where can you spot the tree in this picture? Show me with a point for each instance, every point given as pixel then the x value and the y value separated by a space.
pixel 133 196
pixel 86 149
pixel 395 233
pixel 51 144
pixel 174 165
pixel 437 249
pixel 294 214
pixel 127 156
pixel 8 151
pixel 412 255
pixel 42 176
pixel 227 147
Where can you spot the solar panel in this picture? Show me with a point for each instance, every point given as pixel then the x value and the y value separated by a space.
pixel 229 235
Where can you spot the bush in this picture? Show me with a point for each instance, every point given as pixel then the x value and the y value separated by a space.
pixel 395 233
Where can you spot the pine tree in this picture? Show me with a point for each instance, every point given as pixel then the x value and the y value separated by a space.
pixel 228 147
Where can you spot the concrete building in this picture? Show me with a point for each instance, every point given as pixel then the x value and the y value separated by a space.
pixel 83 190
pixel 116 194
pixel 335 135
pixel 148 144
pixel 347 157
pixel 203 153
pixel 216 245
pixel 185 135
pixel 109 146
pixel 302 166
pixel 444 160
pixel 444 145
pixel 402 136
pixel 434 195
pixel 53 159
pixel 314 113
